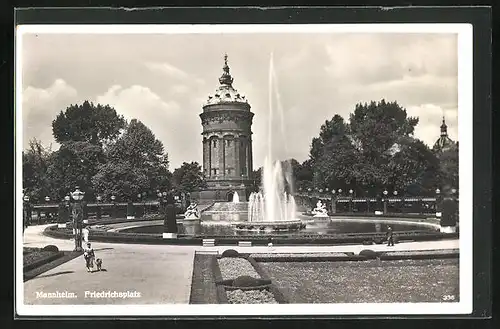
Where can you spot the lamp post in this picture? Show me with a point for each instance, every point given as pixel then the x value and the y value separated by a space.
pixel 385 200
pixel 77 196
pixel 113 200
pixel 334 202
pixel 439 200
pixel 350 201
pixel 98 207
pixel 395 193
pixel 26 212
pixel 63 215
pixel 47 212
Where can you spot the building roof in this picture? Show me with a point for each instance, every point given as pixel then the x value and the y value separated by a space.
pixel 225 92
pixel 444 142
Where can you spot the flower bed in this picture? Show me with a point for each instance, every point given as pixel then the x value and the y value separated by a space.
pixel 233 267
pixel 250 297
pixel 240 280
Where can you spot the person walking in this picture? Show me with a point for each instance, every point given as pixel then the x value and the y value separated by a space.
pixel 85 233
pixel 390 237
pixel 89 256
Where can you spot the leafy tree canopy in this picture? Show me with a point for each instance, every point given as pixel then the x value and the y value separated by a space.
pixel 188 177
pixel 95 124
pixel 36 161
pixel 73 165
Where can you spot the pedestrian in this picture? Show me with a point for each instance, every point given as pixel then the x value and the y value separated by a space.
pixel 85 233
pixel 89 256
pixel 390 237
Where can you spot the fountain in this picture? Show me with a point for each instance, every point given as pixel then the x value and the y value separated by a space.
pixel 192 212
pixel 236 198
pixel 273 207
pixel 320 210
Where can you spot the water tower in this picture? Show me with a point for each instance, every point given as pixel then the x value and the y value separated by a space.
pixel 227 141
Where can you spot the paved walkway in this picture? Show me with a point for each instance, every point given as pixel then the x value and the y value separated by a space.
pixel 160 273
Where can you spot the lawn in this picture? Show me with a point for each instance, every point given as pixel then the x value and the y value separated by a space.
pixel 402 281
pixel 203 290
pixel 32 255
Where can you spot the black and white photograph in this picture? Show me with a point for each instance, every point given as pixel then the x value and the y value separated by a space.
pixel 244 169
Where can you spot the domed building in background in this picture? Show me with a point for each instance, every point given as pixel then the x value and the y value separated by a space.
pixel 227 142
pixel 444 142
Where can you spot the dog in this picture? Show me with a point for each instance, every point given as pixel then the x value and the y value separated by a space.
pixel 98 263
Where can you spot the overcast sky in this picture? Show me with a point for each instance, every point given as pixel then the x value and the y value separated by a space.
pixel 163 81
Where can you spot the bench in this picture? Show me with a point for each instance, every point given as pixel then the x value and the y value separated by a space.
pixel 208 242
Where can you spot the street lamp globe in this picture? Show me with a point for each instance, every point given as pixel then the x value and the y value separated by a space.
pixel 438 191
pixel 333 191
pixel 340 190
pixel 321 191
pixel 47 199
pixel 159 194
pixel 113 198
pixel 395 193
pixel 139 195
pixel 26 198
pixel 164 194
pixel 351 191
pixel 385 192
pixel 309 189
pixel 453 190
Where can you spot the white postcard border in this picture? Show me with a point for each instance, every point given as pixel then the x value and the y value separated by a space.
pixel 465 119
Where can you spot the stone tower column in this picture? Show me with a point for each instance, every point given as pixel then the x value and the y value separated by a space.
pixel 226 120
pixel 237 142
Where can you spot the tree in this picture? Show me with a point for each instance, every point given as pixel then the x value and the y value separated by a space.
pixel 188 177
pixel 329 132
pixel 448 167
pixel 304 174
pixel 338 160
pixel 377 131
pixel 376 150
pixel 95 124
pixel 121 180
pixel 73 165
pixel 138 149
pixel 36 161
pixel 414 168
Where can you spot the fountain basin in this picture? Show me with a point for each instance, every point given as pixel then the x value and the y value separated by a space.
pixel 289 225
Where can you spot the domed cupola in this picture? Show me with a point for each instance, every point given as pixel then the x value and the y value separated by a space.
pixel 225 93
pixel 444 142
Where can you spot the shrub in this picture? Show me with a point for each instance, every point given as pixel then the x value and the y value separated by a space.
pixel 230 253
pixel 368 253
pixel 51 248
pixel 248 281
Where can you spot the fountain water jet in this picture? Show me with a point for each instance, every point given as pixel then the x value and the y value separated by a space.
pixel 236 197
pixel 273 205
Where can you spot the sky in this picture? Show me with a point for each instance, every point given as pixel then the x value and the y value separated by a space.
pixel 164 79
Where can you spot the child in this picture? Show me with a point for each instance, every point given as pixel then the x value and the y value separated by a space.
pixel 89 256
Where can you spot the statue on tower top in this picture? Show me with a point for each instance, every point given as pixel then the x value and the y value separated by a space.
pixel 226 78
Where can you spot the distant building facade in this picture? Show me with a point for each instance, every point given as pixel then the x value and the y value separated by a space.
pixel 227 142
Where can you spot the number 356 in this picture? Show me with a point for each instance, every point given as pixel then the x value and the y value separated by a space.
pixel 448 297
